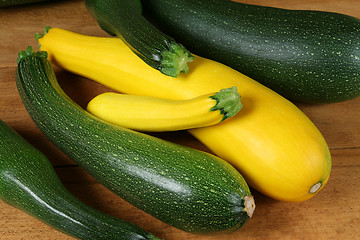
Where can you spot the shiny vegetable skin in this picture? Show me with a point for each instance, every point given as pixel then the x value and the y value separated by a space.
pixel 275 146
pixel 309 56
pixel 124 19
pixel 186 188
pixel 28 182
pixel 145 113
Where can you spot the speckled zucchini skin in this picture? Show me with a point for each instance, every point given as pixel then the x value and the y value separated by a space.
pixel 309 56
pixel 124 20
pixel 188 189
pixel 29 182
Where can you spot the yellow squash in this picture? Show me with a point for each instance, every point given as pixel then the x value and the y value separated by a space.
pixel 144 113
pixel 279 151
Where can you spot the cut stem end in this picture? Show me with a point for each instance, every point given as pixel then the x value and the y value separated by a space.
pixel 315 188
pixel 249 205
pixel 228 101
pixel 174 61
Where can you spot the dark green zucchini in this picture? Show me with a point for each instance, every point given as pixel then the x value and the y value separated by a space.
pixel 188 189
pixel 28 182
pixel 309 56
pixel 124 19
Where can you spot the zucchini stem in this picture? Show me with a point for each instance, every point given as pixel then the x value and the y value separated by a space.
pixel 30 52
pixel 41 35
pixel 228 101
pixel 174 61
pixel 249 205
pixel 316 187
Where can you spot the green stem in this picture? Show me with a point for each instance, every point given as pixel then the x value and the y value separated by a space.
pixel 30 52
pixel 174 61
pixel 228 101
pixel 41 35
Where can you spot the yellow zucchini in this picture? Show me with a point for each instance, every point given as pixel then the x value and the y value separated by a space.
pixel 270 141
pixel 146 113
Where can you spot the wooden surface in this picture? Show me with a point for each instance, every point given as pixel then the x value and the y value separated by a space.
pixel 332 214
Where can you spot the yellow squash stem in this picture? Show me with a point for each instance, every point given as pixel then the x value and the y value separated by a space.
pixel 279 151
pixel 144 113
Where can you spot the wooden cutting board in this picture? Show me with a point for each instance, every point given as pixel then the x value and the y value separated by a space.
pixel 332 214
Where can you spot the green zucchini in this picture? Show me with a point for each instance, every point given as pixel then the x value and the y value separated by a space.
pixel 8 3
pixel 124 19
pixel 309 56
pixel 28 182
pixel 186 188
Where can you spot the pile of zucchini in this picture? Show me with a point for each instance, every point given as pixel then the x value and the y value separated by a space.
pixel 263 140
pixel 188 189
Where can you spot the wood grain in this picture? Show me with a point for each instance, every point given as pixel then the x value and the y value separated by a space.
pixel 333 214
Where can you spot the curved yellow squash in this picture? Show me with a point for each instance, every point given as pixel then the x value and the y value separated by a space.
pixel 270 141
pixel 145 113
